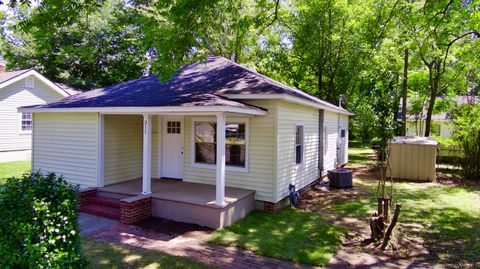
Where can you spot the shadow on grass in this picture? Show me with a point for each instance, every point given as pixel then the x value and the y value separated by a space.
pixel 289 234
pixel 103 254
pixel 449 218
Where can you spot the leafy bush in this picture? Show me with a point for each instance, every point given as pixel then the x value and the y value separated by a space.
pixel 467 133
pixel 38 223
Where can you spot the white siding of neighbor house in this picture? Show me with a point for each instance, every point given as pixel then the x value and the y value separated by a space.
pixel 66 143
pixel 122 148
pixel 289 115
pixel 16 95
pixel 261 162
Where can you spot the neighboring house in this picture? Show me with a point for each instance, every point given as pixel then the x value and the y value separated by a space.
pixel 233 137
pixel 442 123
pixel 22 88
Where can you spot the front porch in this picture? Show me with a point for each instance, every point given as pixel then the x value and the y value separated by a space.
pixel 187 202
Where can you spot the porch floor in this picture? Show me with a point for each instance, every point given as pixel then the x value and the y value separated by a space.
pixel 179 191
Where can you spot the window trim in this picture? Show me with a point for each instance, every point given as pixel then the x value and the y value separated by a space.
pixel 228 168
pixel 21 131
pixel 298 165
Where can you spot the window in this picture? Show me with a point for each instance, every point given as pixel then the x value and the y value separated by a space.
pixel 26 122
pixel 342 133
pixel 173 127
pixel 206 141
pixel 298 144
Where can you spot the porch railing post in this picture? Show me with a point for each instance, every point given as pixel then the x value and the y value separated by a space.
pixel 147 155
pixel 220 165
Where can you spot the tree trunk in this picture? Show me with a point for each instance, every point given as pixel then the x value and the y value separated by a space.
pixel 434 80
pixel 377 227
pixel 404 93
pixel 388 233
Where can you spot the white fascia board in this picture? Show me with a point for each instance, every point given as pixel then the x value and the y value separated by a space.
pixel 150 110
pixel 37 75
pixel 289 98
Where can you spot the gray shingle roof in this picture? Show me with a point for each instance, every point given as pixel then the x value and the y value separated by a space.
pixel 197 84
pixel 7 75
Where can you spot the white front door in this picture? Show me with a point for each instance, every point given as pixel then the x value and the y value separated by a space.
pixel 172 147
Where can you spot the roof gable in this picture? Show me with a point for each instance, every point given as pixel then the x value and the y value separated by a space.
pixel 10 77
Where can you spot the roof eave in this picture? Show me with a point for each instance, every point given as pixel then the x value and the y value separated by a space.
pixel 152 110
pixel 289 98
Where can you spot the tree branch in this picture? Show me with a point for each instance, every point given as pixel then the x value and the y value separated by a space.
pixel 275 17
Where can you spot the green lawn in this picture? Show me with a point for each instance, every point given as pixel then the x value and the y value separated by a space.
pixel 360 155
pixel 13 169
pixel 449 215
pixel 103 254
pixel 290 234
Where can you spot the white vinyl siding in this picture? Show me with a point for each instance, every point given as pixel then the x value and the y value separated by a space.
pixel 290 115
pixel 343 148
pixel 122 148
pixel 66 143
pixel 16 95
pixel 331 121
pixel 261 137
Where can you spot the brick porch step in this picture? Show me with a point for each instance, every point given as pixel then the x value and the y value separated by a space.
pixel 101 210
pixel 105 201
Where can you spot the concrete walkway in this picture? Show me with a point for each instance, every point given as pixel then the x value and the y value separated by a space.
pixel 190 244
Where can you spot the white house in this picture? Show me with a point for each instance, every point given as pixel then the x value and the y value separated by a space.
pixel 207 146
pixel 22 88
pixel 442 123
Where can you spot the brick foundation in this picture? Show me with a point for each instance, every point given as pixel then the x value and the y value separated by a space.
pixel 135 209
pixel 271 207
pixel 85 194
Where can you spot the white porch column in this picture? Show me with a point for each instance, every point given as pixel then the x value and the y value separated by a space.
pixel 147 155
pixel 220 180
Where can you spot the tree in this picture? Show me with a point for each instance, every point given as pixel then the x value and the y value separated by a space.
pixel 85 44
pixel 441 26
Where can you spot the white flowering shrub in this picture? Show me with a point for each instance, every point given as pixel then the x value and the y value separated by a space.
pixel 38 223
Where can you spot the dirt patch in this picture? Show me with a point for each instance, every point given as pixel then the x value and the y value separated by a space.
pixel 172 228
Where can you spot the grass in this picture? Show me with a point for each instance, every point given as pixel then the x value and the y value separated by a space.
pixel 13 169
pixel 449 215
pixel 360 155
pixel 103 254
pixel 289 234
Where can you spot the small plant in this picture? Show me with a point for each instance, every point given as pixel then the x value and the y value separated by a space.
pixel 38 223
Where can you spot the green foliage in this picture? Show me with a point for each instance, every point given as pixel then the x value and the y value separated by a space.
pixel 467 134
pixel 82 43
pixel 38 223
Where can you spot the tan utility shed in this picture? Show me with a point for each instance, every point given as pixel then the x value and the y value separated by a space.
pixel 413 157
